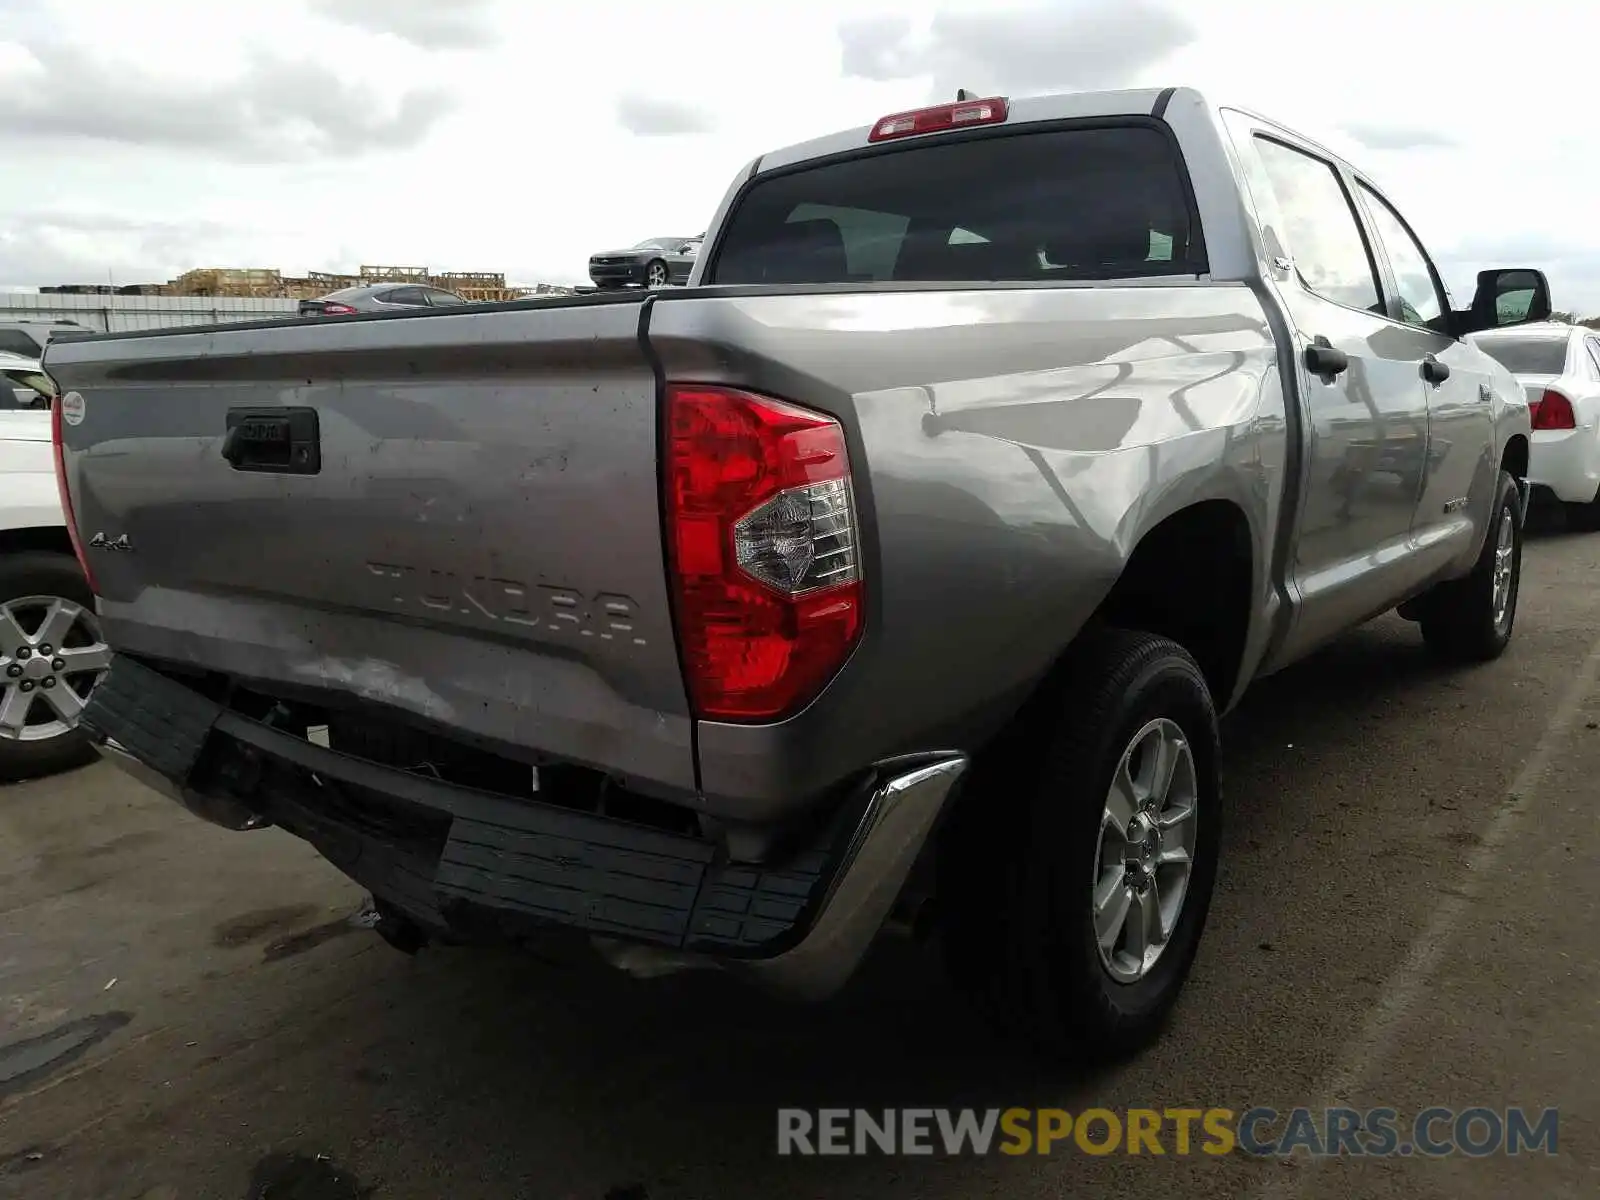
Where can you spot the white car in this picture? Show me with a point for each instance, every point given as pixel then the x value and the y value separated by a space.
pixel 51 651
pixel 23 383
pixel 1558 367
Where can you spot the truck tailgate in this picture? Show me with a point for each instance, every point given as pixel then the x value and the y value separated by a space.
pixel 465 522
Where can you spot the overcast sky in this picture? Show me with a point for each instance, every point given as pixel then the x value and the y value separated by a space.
pixel 139 138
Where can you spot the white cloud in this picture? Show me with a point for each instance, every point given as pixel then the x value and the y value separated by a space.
pixel 143 139
pixel 274 108
pixel 652 117
pixel 430 24
pixel 1072 45
pixel 1399 137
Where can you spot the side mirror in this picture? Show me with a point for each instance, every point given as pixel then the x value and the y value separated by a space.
pixel 1508 296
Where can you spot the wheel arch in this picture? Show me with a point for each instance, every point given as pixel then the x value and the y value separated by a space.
pixel 1191 578
pixel 1514 457
pixel 36 537
pixel 1209 549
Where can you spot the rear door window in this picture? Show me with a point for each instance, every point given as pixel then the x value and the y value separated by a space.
pixel 1330 253
pixel 1055 205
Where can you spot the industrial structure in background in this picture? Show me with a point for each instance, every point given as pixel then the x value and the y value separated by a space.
pixel 268 284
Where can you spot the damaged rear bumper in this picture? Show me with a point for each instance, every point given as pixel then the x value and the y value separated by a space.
pixel 465 864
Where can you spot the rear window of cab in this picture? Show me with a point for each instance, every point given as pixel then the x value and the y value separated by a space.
pixel 1106 202
pixel 1527 355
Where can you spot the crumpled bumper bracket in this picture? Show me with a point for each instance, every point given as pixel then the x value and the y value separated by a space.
pixel 799 927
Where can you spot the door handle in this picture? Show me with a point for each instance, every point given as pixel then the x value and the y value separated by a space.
pixel 1434 371
pixel 1323 360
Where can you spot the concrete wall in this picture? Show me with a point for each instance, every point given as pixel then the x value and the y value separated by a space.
pixel 116 314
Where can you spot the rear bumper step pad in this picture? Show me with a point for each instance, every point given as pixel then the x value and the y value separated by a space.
pixel 522 860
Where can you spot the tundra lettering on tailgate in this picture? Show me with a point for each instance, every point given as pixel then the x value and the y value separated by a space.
pixel 605 615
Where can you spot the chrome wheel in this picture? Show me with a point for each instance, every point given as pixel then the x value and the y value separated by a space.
pixel 51 656
pixel 656 275
pixel 1504 566
pixel 1146 850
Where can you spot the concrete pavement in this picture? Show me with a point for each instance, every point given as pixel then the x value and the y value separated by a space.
pixel 1407 916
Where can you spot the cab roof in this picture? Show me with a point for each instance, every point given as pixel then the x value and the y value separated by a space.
pixel 1063 106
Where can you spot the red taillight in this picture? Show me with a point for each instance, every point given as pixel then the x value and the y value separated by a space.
pixel 1553 411
pixel 336 310
pixel 65 494
pixel 764 550
pixel 946 116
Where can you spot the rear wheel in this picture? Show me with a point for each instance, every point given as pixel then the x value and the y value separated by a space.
pixel 1471 619
pixel 1077 873
pixel 51 657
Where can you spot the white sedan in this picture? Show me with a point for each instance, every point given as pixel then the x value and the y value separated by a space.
pixel 51 651
pixel 1558 367
pixel 23 383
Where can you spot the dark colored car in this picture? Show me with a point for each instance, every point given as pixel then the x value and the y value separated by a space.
pixel 378 297
pixel 654 262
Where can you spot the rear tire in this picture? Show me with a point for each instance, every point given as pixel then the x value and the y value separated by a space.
pixel 1470 619
pixel 1030 854
pixel 45 574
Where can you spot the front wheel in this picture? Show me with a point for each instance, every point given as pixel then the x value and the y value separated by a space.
pixel 51 657
pixel 655 275
pixel 1077 873
pixel 1470 619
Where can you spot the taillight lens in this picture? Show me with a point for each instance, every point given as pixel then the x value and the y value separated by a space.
pixel 1554 411
pixel 764 548
pixel 66 496
pixel 336 310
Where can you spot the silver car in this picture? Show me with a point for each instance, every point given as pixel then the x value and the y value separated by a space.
pixel 378 297
pixel 28 336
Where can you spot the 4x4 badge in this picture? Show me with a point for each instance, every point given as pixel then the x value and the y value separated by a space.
pixel 100 542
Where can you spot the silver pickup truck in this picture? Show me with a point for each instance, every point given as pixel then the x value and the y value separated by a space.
pixel 891 574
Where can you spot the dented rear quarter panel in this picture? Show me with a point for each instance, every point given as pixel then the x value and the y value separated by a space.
pixel 1010 447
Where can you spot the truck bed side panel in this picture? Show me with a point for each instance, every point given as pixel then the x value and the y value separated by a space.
pixel 1010 447
pixel 481 547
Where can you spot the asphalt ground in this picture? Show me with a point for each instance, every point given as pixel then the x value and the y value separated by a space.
pixel 1407 917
